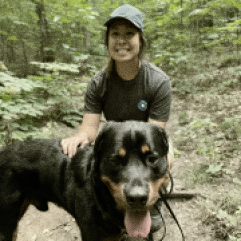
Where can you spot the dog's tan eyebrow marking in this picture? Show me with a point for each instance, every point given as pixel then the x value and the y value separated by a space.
pixel 145 148
pixel 122 152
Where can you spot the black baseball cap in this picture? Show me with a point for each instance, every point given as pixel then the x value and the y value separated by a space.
pixel 128 12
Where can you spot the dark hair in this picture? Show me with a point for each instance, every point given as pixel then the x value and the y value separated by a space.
pixel 111 63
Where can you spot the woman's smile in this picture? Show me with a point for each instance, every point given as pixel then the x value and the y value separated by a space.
pixel 122 51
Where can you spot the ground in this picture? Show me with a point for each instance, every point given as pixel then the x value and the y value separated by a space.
pixel 197 216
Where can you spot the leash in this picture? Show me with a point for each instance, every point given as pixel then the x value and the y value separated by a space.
pixel 163 198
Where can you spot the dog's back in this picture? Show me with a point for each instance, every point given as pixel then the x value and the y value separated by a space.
pixel 35 172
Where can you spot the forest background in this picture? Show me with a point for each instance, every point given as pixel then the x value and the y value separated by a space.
pixel 50 49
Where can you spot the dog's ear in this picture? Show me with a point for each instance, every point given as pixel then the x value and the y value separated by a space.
pixel 161 135
pixel 164 140
pixel 97 144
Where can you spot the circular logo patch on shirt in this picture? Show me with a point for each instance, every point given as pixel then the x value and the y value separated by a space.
pixel 142 105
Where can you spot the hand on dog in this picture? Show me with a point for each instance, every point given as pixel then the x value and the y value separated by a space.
pixel 71 144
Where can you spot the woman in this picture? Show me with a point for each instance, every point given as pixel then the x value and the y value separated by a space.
pixel 129 88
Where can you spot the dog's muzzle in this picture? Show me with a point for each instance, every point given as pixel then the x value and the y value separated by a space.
pixel 137 216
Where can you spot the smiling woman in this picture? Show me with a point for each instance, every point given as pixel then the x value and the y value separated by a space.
pixel 129 88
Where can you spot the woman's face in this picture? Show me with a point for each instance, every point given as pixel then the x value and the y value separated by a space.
pixel 123 41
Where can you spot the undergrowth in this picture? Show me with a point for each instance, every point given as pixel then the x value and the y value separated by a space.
pixel 210 126
pixel 27 105
pixel 216 140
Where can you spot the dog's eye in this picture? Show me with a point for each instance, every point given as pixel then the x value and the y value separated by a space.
pixel 152 159
pixel 116 160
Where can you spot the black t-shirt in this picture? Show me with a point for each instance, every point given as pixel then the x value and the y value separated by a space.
pixel 148 95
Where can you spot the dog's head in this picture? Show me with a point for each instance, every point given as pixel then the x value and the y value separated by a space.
pixel 131 159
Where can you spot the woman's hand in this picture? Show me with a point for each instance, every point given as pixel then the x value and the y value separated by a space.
pixel 87 134
pixel 71 144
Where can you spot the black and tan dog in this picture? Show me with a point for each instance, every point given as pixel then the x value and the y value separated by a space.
pixel 107 188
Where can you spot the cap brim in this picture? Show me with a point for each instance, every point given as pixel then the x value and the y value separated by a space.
pixel 110 21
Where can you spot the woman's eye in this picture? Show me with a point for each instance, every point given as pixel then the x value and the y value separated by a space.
pixel 114 34
pixel 129 33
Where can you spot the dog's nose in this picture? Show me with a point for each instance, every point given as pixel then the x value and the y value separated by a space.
pixel 137 197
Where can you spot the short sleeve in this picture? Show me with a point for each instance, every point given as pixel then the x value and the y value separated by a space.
pixel 161 102
pixel 94 93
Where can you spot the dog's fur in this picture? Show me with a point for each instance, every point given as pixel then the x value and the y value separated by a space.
pixel 96 186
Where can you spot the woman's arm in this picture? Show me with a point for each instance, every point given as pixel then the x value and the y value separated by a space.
pixel 87 134
pixel 161 123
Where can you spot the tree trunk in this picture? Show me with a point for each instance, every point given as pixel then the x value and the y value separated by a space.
pixel 44 33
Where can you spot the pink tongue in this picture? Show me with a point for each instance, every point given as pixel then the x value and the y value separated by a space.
pixel 138 224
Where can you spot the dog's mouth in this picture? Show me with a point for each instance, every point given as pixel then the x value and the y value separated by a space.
pixel 137 218
pixel 138 223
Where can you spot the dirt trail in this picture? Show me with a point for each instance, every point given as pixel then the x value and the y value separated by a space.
pixel 57 225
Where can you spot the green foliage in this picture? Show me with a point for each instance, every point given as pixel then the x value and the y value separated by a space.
pixel 232 220
pixel 224 215
pixel 232 238
pixel 183 118
pixel 175 30
pixel 214 170
pixel 200 135
pixel 72 20
pixel 232 127
pixel 72 28
pixel 27 104
pixel 198 175
pixel 18 116
pixel 183 25
pixel 237 181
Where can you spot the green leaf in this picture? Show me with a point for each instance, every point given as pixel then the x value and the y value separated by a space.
pixel 237 181
pixel 214 169
pixel 7 116
pixel 12 38
pixel 197 12
pixel 3 33
pixel 222 214
pixel 6 98
pixel 65 20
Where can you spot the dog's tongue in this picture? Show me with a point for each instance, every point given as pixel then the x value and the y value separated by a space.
pixel 138 224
